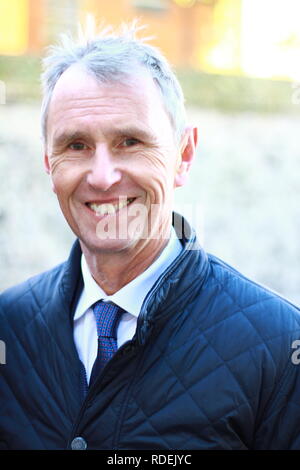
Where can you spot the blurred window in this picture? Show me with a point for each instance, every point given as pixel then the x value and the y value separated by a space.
pixel 61 16
pixel 157 6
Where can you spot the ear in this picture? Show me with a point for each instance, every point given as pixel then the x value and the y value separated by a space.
pixel 186 156
pixel 48 170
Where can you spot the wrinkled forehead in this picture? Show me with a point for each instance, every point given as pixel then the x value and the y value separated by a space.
pixel 80 99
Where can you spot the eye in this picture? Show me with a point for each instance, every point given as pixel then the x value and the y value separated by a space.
pixel 77 146
pixel 130 141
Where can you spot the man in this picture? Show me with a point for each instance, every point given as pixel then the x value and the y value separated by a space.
pixel 194 355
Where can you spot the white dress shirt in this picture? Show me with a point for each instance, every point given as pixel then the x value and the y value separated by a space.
pixel 130 298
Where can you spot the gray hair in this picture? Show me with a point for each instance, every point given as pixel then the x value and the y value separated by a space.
pixel 110 57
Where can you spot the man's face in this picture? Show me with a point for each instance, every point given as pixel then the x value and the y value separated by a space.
pixel 109 146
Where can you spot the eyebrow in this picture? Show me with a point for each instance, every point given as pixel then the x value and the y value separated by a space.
pixel 66 137
pixel 132 131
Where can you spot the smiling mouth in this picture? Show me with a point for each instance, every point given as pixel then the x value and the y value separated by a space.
pixel 109 208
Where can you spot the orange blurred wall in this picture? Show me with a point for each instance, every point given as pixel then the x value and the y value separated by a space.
pixel 181 33
pixel 178 31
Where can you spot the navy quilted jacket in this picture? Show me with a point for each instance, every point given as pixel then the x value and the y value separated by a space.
pixel 210 365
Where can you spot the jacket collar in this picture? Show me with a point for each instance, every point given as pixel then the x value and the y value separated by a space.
pixel 178 285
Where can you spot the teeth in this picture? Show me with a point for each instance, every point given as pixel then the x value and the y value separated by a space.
pixel 102 209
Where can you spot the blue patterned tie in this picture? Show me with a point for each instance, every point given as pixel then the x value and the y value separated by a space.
pixel 107 318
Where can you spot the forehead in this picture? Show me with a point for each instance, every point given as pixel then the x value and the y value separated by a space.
pixel 78 95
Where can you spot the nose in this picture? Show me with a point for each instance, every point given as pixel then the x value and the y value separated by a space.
pixel 103 172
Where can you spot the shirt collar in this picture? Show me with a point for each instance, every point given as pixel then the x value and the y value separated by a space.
pixel 130 297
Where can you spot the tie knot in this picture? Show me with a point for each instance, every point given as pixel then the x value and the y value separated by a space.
pixel 107 316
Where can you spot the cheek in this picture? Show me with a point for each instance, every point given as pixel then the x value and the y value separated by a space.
pixel 155 173
pixel 65 179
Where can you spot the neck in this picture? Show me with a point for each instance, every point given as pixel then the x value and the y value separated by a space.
pixel 113 270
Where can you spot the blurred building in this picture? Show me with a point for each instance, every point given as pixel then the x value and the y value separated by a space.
pixel 252 37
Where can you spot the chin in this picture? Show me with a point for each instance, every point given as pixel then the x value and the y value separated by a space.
pixel 108 246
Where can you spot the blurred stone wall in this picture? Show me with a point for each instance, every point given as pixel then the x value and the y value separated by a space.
pixel 243 195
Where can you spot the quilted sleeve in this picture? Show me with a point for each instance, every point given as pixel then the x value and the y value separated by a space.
pixel 279 428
